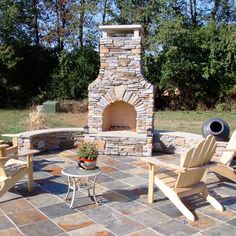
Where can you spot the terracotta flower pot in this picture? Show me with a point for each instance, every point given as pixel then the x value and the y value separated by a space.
pixel 87 164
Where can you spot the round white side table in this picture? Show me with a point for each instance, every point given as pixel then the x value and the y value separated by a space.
pixel 74 175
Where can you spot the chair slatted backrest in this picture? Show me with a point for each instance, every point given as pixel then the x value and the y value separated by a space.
pixel 3 148
pixel 228 156
pixel 196 157
pixel 6 151
pixel 12 150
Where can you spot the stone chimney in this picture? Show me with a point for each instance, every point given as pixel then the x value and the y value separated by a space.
pixel 120 98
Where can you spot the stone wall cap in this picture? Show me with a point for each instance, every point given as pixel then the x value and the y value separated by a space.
pixel 178 134
pixel 120 28
pixel 11 135
pixel 119 134
pixel 28 134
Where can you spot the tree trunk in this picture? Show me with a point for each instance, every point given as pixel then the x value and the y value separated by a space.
pixel 81 23
pixel 215 9
pixel 36 27
pixel 104 12
pixel 193 10
pixel 58 27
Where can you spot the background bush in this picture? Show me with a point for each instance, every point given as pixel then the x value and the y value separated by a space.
pixel 49 49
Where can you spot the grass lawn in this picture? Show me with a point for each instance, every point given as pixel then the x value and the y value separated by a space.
pixel 191 121
pixel 15 121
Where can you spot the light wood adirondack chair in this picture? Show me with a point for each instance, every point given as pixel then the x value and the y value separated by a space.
pixel 224 163
pixel 184 180
pixel 12 169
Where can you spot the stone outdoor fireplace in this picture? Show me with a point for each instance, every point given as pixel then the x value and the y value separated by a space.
pixel 120 99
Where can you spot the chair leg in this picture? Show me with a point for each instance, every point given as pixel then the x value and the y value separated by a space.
pixel 30 181
pixel 204 178
pixel 7 185
pixel 226 171
pixel 174 198
pixel 30 175
pixel 212 200
pixel 4 188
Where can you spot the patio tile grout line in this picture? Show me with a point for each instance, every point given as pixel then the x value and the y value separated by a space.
pixel 73 208
pixel 12 223
pixel 178 220
pixel 110 206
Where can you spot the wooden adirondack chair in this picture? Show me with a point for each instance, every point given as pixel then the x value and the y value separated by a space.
pixel 184 180
pixel 12 169
pixel 224 163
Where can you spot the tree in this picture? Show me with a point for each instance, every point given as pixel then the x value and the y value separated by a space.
pixel 76 70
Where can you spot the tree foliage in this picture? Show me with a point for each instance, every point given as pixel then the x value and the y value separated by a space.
pixel 48 48
pixel 75 71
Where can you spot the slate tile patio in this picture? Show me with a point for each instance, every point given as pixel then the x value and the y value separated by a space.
pixel 123 210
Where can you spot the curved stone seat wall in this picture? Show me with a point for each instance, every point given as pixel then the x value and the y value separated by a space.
pixel 163 141
pixel 174 142
pixel 179 142
pixel 49 139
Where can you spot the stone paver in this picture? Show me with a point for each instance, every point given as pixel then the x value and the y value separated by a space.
pixel 43 200
pixel 128 208
pixel 11 207
pixel 168 209
pixel 146 232
pixel 93 230
pixel 203 222
pixel 123 210
pixel 150 217
pixel 10 232
pixel 120 175
pixel 135 181
pixel 116 184
pixel 27 217
pixel 221 230
pixel 103 215
pixel 59 209
pixel 5 223
pixel 232 222
pixel 73 221
pixel 123 226
pixel 174 228
pixel 42 228
pixel 222 216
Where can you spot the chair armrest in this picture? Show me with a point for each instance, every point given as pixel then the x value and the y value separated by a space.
pixel 4 145
pixel 4 159
pixel 27 152
pixel 221 142
pixel 157 162
pixel 229 150
pixel 209 165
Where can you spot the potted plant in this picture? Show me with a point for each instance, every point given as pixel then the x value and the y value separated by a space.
pixel 87 155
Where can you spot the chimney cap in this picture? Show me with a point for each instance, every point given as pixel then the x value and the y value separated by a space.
pixel 120 28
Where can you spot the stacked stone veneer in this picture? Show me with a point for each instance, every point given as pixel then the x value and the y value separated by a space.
pixel 120 79
pixel 115 143
pixel 50 139
pixel 133 145
pixel 179 142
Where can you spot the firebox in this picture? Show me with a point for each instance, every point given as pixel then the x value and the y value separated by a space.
pixel 119 116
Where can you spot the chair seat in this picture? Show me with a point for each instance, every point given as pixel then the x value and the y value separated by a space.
pixel 226 164
pixel 13 166
pixel 166 176
pixel 12 169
